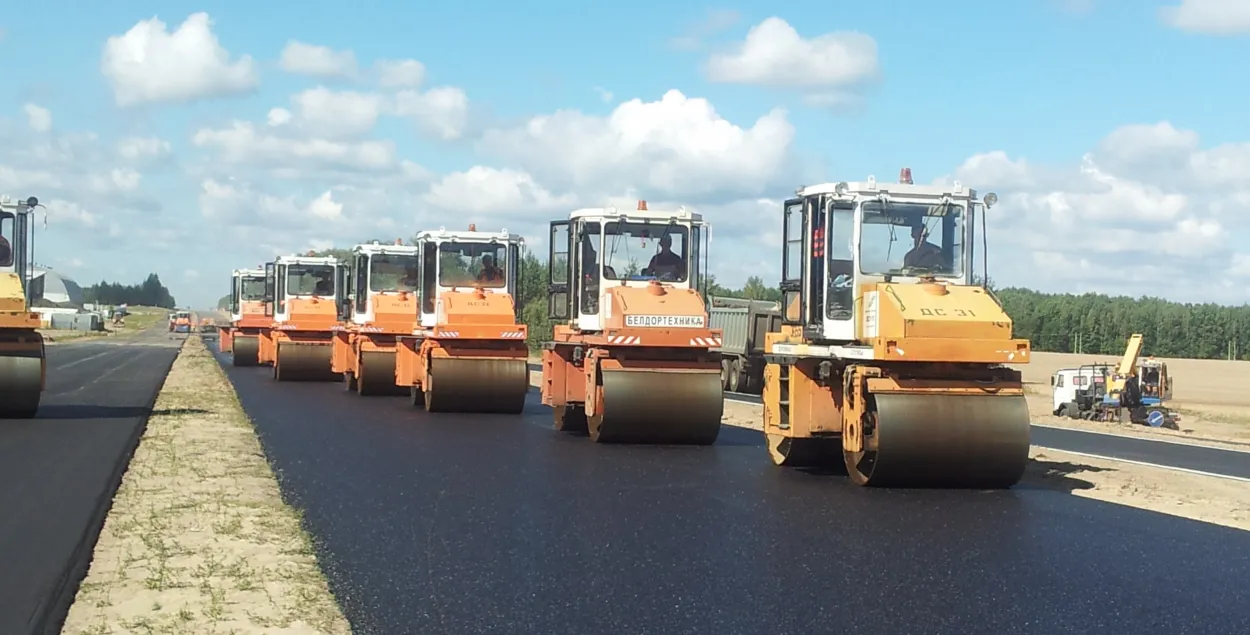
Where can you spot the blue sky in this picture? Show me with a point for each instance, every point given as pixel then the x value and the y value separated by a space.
pixel 1156 103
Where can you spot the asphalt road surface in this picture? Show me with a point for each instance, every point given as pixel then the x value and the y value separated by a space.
pixel 499 524
pixel 1190 457
pixel 59 471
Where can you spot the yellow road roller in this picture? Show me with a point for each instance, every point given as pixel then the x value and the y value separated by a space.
pixel 467 352
pixel 23 363
pixel 302 295
pixel 380 305
pixel 631 359
pixel 241 338
pixel 889 350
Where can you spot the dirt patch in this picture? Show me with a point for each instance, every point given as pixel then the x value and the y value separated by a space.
pixel 1209 395
pixel 198 539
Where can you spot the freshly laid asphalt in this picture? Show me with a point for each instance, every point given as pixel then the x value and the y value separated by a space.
pixel 59 471
pixel 1191 457
pixel 499 524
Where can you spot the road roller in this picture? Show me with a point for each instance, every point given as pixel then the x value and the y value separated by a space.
pixel 23 363
pixel 241 338
pixel 467 352
pixel 888 351
pixel 631 357
pixel 380 304
pixel 302 295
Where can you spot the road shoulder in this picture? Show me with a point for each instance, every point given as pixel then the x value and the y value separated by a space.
pixel 198 539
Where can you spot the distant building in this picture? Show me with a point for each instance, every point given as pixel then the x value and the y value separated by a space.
pixel 49 289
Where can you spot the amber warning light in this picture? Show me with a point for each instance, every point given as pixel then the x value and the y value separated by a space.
pixel 642 206
pixel 904 176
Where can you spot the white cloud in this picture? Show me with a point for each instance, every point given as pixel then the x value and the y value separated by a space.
pixel 676 147
pixel 714 21
pixel 243 144
pixel 148 64
pixel 334 114
pixel 1215 17
pixel 604 94
pixel 774 54
pixel 442 112
pixel 141 148
pixel 325 206
pixel 497 194
pixel 1147 212
pixel 38 118
pixel 400 73
pixel 318 61
pixel 278 117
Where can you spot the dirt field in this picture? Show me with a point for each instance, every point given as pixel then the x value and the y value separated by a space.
pixel 198 539
pixel 1210 395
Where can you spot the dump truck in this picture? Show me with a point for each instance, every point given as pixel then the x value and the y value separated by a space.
pixel 380 305
pixel 302 295
pixel 468 351
pixel 632 358
pixel 248 317
pixel 23 361
pixel 743 324
pixel 889 351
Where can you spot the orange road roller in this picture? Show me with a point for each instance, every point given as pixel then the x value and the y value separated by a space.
pixel 302 297
pixel 379 306
pixel 468 351
pixel 632 358
pixel 23 360
pixel 248 317
pixel 890 351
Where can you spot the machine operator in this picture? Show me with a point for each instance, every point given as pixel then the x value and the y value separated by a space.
pixel 490 271
pixel 924 255
pixel 665 261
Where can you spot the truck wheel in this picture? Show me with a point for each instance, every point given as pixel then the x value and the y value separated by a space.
pixel 724 373
pixel 735 376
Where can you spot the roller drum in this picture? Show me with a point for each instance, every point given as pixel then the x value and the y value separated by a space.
pixel 245 350
pixel 476 385
pixel 660 406
pixel 21 379
pixel 376 374
pixel 303 361
pixel 945 441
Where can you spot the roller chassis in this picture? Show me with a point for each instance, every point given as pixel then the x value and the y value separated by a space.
pixel 448 373
pixel 366 361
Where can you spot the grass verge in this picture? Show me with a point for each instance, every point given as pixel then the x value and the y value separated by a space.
pixel 198 539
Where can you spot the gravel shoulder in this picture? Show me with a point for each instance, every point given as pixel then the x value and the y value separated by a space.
pixel 198 539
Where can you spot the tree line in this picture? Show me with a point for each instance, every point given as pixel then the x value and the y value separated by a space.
pixel 150 292
pixel 1090 323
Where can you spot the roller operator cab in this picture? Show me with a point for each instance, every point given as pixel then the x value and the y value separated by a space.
pixel 182 321
pixel 302 296
pixel 379 306
pixel 247 316
pixel 889 353
pixel 23 365
pixel 467 352
pixel 631 356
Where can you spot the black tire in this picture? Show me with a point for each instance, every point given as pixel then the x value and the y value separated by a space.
pixel 724 373
pixel 735 375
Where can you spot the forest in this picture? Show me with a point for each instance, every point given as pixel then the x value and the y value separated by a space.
pixel 1091 323
pixel 148 293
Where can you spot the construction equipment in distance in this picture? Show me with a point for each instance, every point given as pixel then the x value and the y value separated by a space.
pixel 182 322
pixel 631 358
pixel 302 295
pixel 1133 391
pixel 743 324
pixel 248 317
pixel 380 305
pixel 23 361
pixel 893 357
pixel 468 352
